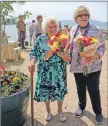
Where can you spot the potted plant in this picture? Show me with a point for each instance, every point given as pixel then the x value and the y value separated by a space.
pixel 15 88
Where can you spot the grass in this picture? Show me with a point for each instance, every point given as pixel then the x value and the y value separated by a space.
pixel 106 37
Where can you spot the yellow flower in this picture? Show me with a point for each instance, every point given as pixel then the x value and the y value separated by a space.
pixel 81 36
pixel 52 37
pixel 94 40
pixel 17 74
pixel 15 79
pixel 63 36
pixel 54 46
pixel 12 72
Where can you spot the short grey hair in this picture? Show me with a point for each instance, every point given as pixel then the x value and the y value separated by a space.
pixel 78 10
pixel 47 20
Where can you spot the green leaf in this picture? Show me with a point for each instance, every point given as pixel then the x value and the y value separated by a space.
pixel 81 47
pixel 7 9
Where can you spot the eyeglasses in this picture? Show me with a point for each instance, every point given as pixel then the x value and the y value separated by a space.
pixel 81 15
pixel 52 27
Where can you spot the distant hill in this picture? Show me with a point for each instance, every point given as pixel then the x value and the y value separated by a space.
pixel 102 25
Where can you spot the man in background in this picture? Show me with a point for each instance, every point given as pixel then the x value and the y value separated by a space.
pixel 21 26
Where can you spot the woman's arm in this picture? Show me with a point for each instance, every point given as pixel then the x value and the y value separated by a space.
pixel 31 65
pixel 66 49
pixel 36 51
pixel 102 48
pixel 100 51
pixel 34 55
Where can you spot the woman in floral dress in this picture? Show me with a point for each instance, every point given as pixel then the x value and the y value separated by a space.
pixel 51 83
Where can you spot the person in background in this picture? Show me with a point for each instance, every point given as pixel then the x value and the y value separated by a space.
pixel 60 25
pixel 92 80
pixel 65 29
pixel 21 26
pixel 38 27
pixel 18 29
pixel 51 81
pixel 70 27
pixel 31 31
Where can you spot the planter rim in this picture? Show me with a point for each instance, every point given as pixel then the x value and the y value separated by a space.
pixel 16 92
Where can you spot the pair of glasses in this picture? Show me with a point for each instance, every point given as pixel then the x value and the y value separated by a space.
pixel 81 15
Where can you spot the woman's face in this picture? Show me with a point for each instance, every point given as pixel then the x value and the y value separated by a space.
pixel 40 20
pixel 21 18
pixel 51 28
pixel 83 18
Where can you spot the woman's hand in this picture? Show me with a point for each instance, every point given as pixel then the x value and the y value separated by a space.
pixel 31 66
pixel 64 56
pixel 92 58
pixel 67 47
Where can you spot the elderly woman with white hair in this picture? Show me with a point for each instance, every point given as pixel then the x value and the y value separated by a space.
pixel 51 81
pixel 92 80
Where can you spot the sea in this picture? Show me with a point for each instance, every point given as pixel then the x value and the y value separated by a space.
pixel 12 32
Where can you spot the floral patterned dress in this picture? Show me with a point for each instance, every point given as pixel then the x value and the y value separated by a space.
pixel 51 83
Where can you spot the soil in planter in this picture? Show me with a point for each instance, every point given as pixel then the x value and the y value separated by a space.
pixel 12 82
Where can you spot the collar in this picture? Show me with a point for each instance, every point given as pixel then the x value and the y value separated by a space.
pixel 86 27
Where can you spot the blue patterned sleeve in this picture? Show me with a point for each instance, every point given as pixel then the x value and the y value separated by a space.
pixel 102 48
pixel 36 51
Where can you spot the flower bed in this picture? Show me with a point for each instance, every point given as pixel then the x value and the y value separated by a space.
pixel 12 82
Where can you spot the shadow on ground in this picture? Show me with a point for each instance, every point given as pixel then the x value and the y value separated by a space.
pixel 92 118
pixel 28 122
pixel 71 120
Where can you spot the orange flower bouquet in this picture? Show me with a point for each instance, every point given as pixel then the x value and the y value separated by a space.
pixel 87 47
pixel 58 44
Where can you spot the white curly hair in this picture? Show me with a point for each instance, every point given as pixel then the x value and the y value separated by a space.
pixel 47 20
pixel 78 10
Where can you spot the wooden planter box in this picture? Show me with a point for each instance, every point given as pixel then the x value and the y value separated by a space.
pixel 14 108
pixel 11 51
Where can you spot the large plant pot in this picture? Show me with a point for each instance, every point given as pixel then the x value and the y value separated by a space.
pixel 14 108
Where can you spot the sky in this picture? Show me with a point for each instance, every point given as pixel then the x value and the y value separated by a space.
pixel 62 10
